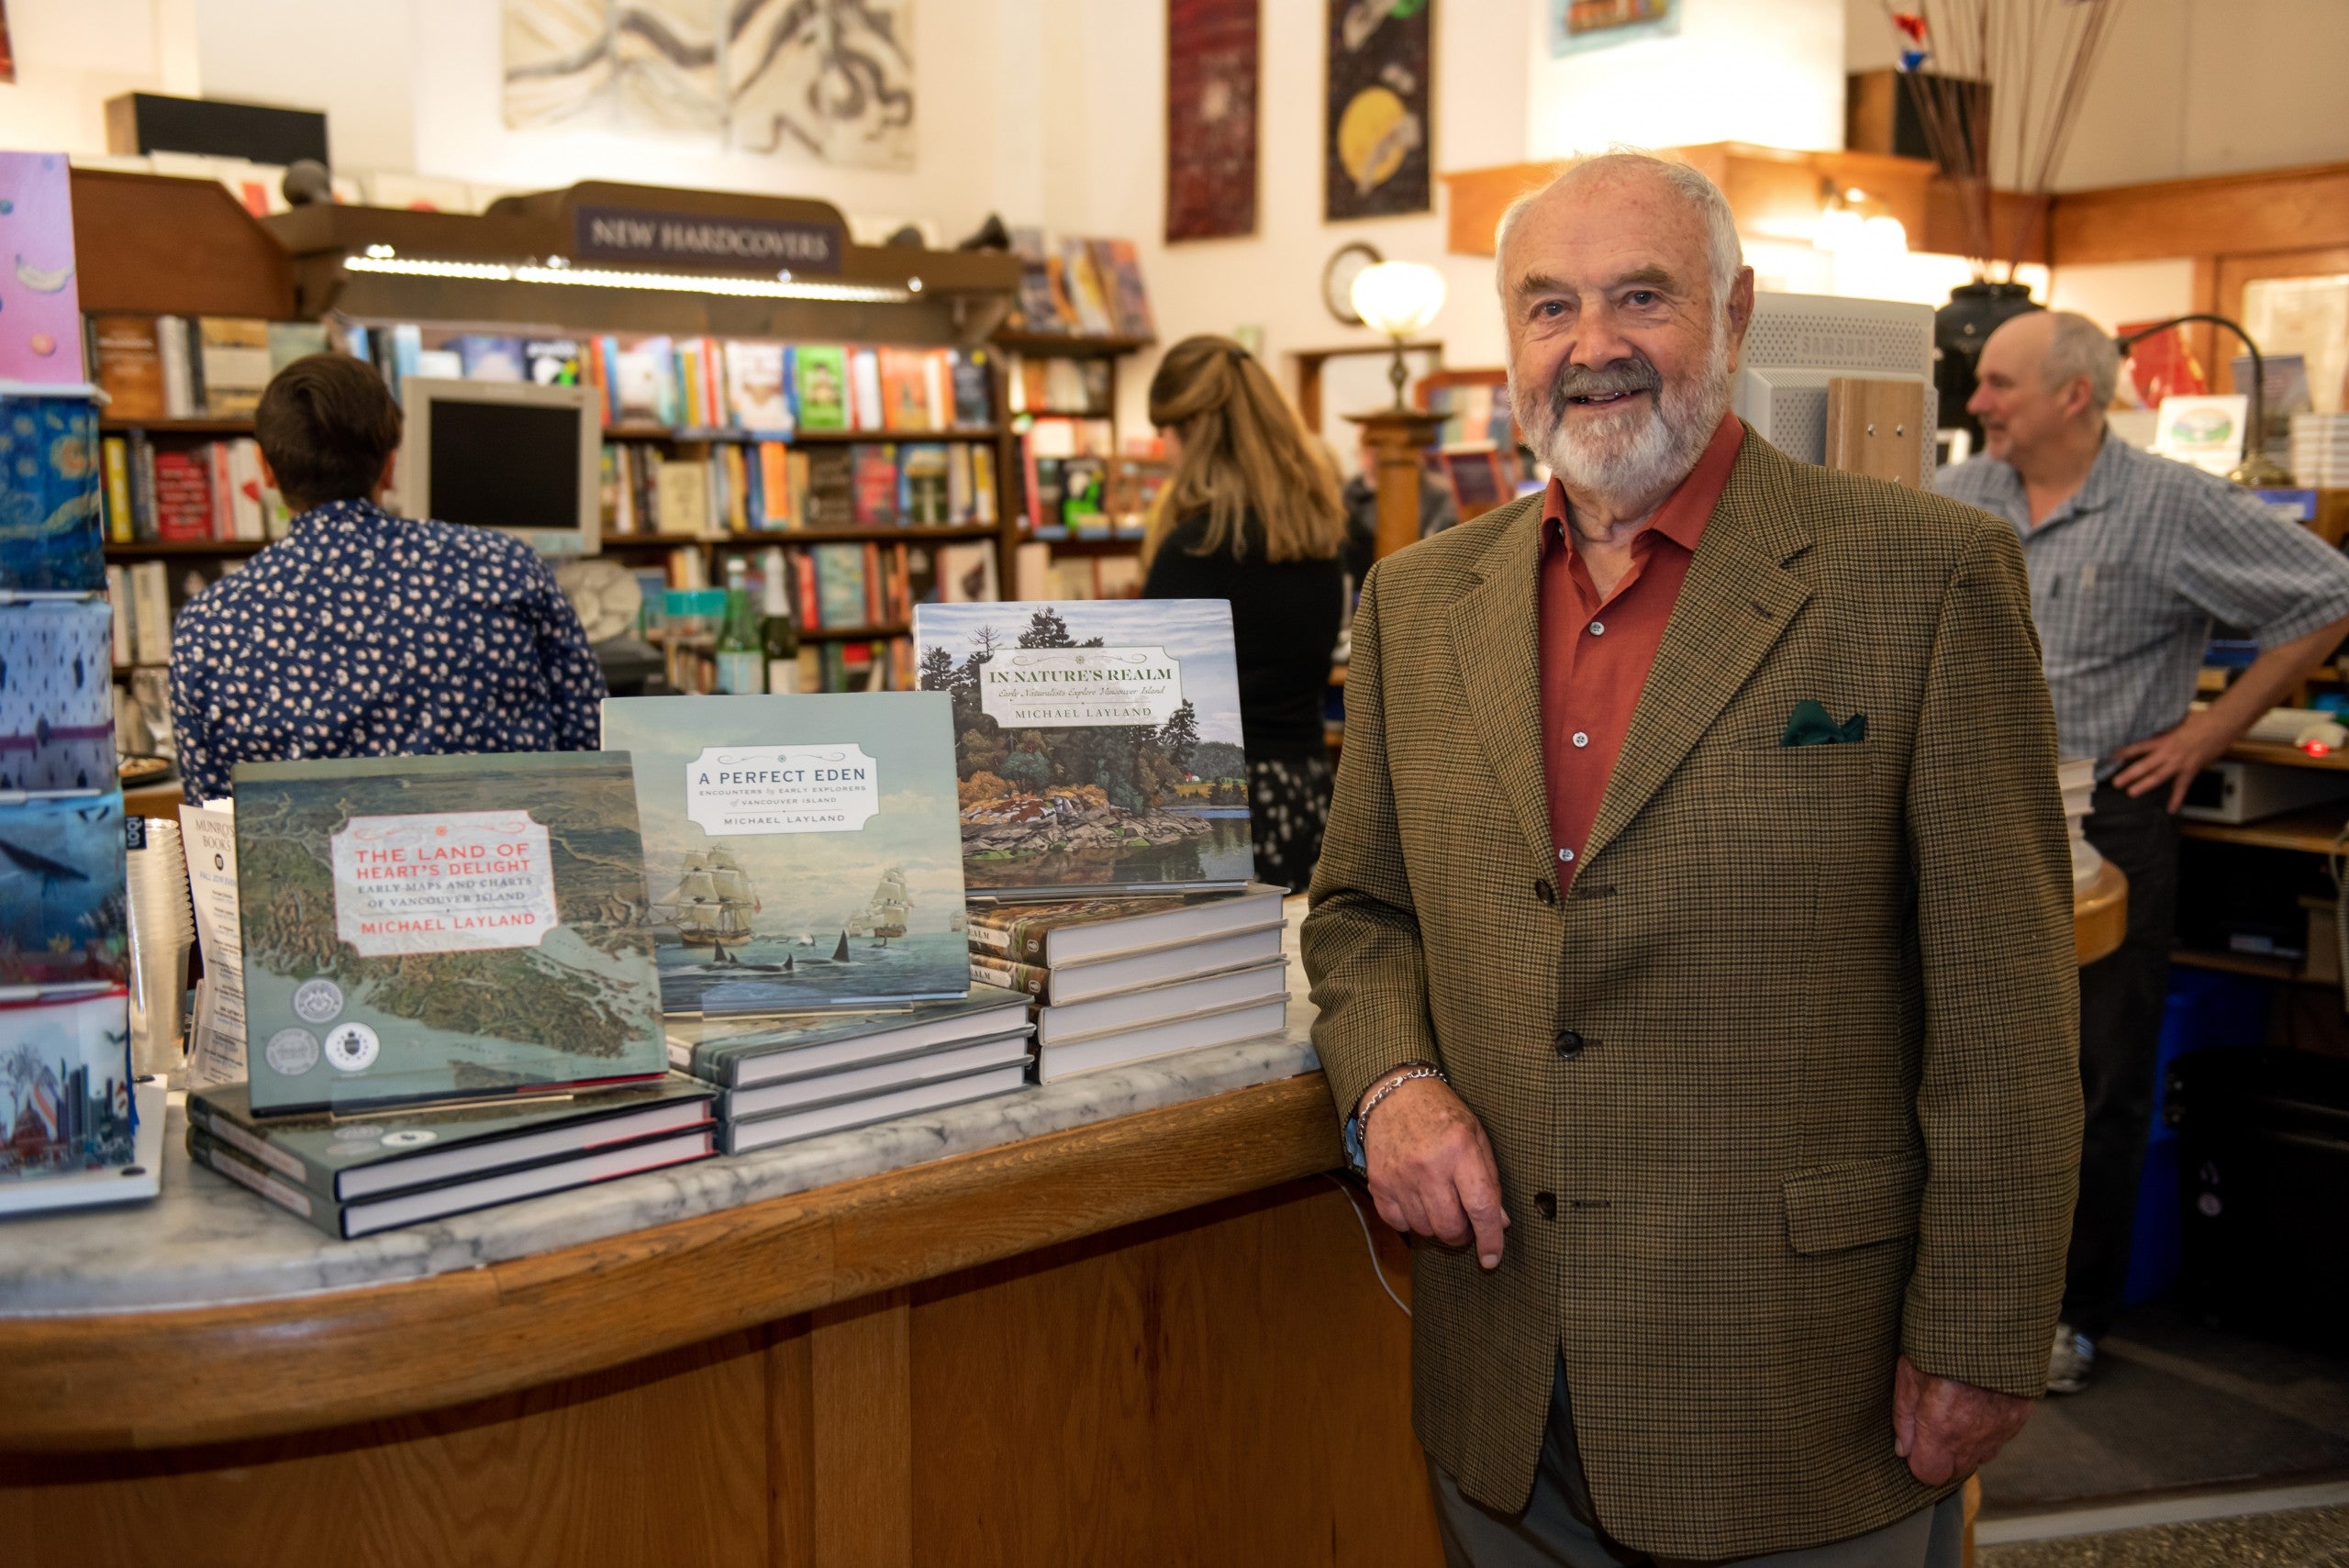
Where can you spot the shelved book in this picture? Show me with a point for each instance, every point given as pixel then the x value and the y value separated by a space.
pixel 1098 744
pixel 338 1160
pixel 1082 949
pixel 801 851
pixel 430 928
pixel 352 1178
pixel 798 1077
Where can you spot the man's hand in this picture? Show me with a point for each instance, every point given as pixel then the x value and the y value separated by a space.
pixel 2175 756
pixel 1432 1171
pixel 1946 1428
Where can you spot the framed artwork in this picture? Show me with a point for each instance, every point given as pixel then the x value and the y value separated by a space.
pixel 1376 154
pixel 820 81
pixel 1211 75
pixel 1579 24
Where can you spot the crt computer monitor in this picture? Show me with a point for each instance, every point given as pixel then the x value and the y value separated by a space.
pixel 509 455
pixel 1798 342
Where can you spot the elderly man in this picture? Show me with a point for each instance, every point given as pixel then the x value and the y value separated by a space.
pixel 2132 559
pixel 1693 950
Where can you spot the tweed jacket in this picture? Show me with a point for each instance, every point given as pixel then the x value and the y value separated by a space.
pixel 1787 1083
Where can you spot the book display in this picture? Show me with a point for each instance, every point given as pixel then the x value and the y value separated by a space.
pixel 801 851
pixel 1098 744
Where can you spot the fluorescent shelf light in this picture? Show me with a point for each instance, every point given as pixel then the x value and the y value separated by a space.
pixel 619 278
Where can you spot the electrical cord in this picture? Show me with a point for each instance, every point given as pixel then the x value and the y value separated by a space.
pixel 1369 1241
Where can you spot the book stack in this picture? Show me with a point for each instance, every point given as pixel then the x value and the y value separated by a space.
pixel 1120 979
pixel 1105 824
pixel 2319 453
pixel 78 1131
pixel 450 1000
pixel 781 1080
pixel 806 873
pixel 148 596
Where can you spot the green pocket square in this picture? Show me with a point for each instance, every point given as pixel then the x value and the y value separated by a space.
pixel 1809 726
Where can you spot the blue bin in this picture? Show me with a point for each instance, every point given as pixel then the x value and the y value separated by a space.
pixel 2206 1010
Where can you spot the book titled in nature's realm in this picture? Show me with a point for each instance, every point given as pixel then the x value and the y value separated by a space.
pixel 1098 743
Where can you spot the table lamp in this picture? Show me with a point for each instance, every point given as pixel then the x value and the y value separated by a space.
pixel 2257 469
pixel 1398 298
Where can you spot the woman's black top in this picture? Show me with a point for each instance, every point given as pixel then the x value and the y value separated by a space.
pixel 1283 622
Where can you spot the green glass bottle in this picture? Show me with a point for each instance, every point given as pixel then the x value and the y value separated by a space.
pixel 741 656
pixel 776 632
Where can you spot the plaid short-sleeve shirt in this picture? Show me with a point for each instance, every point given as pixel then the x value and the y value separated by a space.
pixel 2128 576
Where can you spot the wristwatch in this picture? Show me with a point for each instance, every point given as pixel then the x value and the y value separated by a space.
pixel 1358 1124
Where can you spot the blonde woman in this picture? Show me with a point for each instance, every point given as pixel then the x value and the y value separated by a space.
pixel 1251 515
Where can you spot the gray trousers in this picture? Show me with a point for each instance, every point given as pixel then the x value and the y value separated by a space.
pixel 1556 1530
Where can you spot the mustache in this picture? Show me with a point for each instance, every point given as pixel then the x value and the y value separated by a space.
pixel 1624 375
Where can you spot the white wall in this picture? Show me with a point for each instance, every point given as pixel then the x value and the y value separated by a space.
pixel 1762 70
pixel 1106 136
pixel 72 55
pixel 2189 87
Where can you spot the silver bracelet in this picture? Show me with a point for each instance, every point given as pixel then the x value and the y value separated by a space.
pixel 1362 1122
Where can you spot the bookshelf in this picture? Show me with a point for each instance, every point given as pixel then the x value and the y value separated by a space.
pixel 1100 409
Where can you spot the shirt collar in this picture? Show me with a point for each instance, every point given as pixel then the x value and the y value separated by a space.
pixel 356 510
pixel 2095 491
pixel 1682 517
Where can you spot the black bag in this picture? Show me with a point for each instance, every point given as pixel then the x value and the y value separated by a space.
pixel 2264 1167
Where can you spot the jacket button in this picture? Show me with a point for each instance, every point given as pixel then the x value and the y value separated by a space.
pixel 1569 1043
pixel 1544 892
pixel 1548 1204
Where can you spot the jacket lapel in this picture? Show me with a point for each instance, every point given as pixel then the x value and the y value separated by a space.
pixel 1496 637
pixel 1735 604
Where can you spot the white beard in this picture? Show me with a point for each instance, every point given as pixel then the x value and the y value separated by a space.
pixel 1638 451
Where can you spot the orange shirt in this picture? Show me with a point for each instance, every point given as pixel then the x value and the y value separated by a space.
pixel 1595 652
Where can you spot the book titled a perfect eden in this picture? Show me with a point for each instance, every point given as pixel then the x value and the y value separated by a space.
pixel 424 928
pixel 1098 743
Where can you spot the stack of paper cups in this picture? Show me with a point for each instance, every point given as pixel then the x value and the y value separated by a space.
pixel 163 928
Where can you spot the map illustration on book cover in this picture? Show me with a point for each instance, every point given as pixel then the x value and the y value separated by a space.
pixel 1098 743
pixel 418 927
pixel 801 851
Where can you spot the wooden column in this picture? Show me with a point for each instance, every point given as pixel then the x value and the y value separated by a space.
pixel 1396 438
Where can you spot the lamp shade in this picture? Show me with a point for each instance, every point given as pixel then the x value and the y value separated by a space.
pixel 1397 297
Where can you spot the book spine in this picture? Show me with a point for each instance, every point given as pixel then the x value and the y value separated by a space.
pixel 991 931
pixel 171 349
pixel 1030 979
pixel 205 1149
pixel 259 1149
pixel 120 527
pixel 118 596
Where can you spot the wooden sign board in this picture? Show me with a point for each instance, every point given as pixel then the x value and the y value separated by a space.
pixel 1875 427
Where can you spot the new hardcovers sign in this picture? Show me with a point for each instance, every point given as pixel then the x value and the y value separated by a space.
pixel 704 241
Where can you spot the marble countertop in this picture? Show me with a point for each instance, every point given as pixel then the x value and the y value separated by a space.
pixel 207 1242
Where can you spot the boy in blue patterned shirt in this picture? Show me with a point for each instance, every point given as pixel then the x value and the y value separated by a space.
pixel 361 634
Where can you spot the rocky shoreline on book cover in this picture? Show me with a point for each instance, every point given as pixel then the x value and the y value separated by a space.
pixel 1098 743
pixel 801 851
pixel 426 927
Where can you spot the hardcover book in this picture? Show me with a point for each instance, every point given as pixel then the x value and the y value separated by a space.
pixel 341 1158
pixel 291 340
pixel 129 367
pixel 821 370
pixel 232 361
pixel 800 850
pixel 51 538
pixel 973 390
pixel 424 928
pixel 1098 743
pixel 56 700
pixel 65 1084
pixel 754 388
pixel 738 1054
pixel 63 913
pixel 489 356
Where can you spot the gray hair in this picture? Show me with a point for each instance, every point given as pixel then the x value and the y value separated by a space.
pixel 2079 347
pixel 1686 182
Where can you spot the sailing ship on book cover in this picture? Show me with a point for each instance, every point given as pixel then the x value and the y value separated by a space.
pixel 1098 743
pixel 418 927
pixel 802 850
